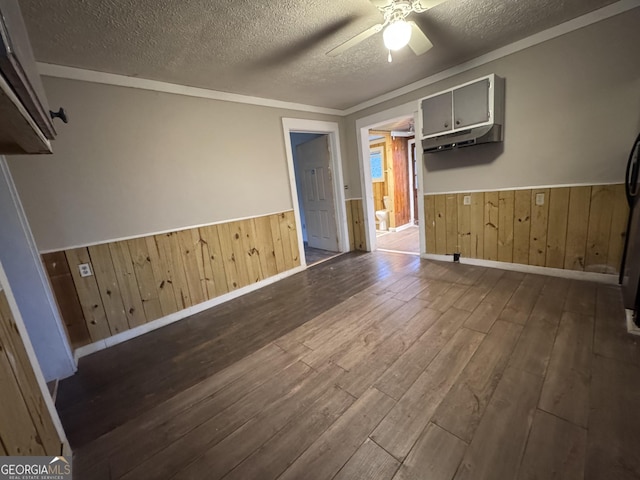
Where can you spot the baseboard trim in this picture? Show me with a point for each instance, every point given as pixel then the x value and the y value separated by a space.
pixel 403 252
pixel 632 328
pixel 402 227
pixel 174 317
pixel 609 279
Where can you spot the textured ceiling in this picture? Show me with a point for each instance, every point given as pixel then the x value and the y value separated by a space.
pixel 276 49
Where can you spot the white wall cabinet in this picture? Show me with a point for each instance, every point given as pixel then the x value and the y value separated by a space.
pixel 469 105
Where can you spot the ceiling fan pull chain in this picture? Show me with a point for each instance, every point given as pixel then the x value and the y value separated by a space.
pixel 389 59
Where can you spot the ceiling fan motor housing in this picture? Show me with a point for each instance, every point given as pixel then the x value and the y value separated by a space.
pixel 399 10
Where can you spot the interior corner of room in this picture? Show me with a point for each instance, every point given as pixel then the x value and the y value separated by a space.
pixel 161 199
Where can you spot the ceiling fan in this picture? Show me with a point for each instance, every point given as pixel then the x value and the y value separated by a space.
pixel 398 32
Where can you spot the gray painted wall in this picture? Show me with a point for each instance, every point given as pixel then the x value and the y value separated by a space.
pixel 133 162
pixel 572 112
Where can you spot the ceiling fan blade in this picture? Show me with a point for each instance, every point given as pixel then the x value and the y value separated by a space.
pixel 355 40
pixel 418 42
pixel 298 48
pixel 430 3
pixel 381 3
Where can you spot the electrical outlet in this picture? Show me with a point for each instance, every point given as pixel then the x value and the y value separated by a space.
pixel 539 199
pixel 85 270
pixel 466 200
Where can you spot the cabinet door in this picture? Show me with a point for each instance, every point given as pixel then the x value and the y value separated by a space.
pixel 471 104
pixel 436 114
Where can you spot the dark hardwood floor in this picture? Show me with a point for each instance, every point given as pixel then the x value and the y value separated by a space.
pixel 117 384
pixel 371 366
pixel 317 255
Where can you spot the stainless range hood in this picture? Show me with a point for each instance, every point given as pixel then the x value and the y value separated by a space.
pixel 463 138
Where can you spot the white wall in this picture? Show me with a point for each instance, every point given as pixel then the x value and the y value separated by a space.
pixel 133 162
pixel 572 112
pixel 28 282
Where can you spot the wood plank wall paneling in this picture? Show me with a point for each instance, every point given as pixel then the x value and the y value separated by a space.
pixel 26 427
pixel 379 191
pixel 140 280
pixel 430 222
pixel 401 200
pixel 380 188
pixel 464 226
pixel 441 224
pixel 355 222
pixel 451 221
pixel 491 200
pixel 390 178
pixel 557 227
pixel 619 218
pixel 521 226
pixel 67 298
pixel 577 225
pixel 538 230
pixel 506 201
pixel 576 228
pixel 477 225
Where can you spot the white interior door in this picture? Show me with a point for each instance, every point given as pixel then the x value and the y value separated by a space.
pixel 317 193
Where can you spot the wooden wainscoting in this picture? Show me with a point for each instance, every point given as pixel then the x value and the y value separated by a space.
pixel 140 280
pixel 26 426
pixel 576 228
pixel 379 192
pixel 355 222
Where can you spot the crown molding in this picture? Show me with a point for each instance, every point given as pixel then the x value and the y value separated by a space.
pixel 93 76
pixel 73 73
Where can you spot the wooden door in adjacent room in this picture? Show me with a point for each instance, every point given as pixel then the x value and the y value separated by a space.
pixel 401 202
pixel 414 179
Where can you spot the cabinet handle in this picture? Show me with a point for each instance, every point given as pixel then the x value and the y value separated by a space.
pixel 446 125
pixel 457 122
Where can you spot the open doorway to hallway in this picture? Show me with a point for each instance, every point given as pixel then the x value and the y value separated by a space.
pixel 393 167
pixel 316 198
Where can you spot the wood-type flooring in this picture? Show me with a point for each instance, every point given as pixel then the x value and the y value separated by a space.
pixel 371 366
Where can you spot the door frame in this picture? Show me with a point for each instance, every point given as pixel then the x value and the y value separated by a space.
pixel 332 130
pixel 363 125
pixel 34 363
pixel 410 144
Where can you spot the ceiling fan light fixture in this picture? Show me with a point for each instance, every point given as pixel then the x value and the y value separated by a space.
pixel 396 35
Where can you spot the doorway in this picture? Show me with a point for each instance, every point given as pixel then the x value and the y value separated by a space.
pixel 316 183
pixel 393 172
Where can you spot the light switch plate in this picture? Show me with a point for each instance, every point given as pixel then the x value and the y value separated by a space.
pixel 85 270
pixel 539 199
pixel 466 200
